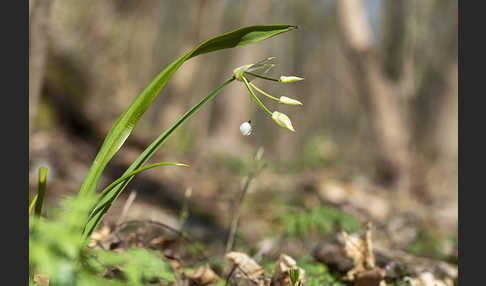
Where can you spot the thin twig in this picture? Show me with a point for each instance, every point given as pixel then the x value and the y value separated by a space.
pixel 236 216
pixel 230 274
pixel 236 213
pixel 127 205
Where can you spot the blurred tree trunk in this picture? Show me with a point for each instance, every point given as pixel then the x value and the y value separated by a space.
pixel 196 78
pixel 235 105
pixel 412 88
pixel 427 80
pixel 183 80
pixel 39 11
pixel 387 115
pixel 446 130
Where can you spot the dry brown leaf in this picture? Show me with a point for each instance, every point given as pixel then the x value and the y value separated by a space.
pixel 281 272
pixel 99 236
pixel 427 279
pixel 247 271
pixel 374 204
pixel 202 276
pixel 41 280
pixel 372 277
pixel 360 250
pixel 176 267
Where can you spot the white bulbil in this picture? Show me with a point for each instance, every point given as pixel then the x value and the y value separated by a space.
pixel 245 128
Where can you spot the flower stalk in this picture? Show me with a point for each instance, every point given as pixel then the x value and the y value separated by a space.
pixel 256 98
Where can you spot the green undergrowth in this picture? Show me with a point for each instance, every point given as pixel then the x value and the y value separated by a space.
pixel 428 244
pixel 319 150
pixel 57 250
pixel 316 273
pixel 299 223
pixel 139 265
pixel 238 165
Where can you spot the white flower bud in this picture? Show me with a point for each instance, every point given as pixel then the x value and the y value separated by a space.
pixel 245 128
pixel 289 101
pixel 287 79
pixel 239 71
pixel 282 120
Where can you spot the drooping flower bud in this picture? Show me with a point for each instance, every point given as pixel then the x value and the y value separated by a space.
pixel 245 128
pixel 239 71
pixel 282 120
pixel 287 79
pixel 289 101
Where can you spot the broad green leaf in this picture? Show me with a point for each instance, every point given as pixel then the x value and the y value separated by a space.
pixel 127 120
pixel 240 37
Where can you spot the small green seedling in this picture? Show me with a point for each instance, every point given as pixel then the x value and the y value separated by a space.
pixel 294 276
pixel 38 200
pixel 42 190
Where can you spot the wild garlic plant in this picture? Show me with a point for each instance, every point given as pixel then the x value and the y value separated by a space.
pixel 86 211
pixel 126 122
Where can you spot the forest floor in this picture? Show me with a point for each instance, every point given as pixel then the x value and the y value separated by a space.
pixel 338 229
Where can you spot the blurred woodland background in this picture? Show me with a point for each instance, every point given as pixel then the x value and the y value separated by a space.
pixel 377 132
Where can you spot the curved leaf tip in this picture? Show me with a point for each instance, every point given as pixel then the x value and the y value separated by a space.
pixel 181 164
pixel 240 37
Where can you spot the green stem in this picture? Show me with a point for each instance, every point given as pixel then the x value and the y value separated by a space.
pixel 263 77
pixel 264 93
pixel 255 97
pixel 144 157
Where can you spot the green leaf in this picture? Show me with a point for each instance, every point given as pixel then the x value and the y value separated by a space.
pixel 32 204
pixel 42 190
pixel 240 37
pixel 127 120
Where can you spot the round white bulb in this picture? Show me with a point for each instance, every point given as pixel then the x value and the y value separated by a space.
pixel 245 128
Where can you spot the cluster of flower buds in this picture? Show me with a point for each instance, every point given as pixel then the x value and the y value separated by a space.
pixel 241 74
